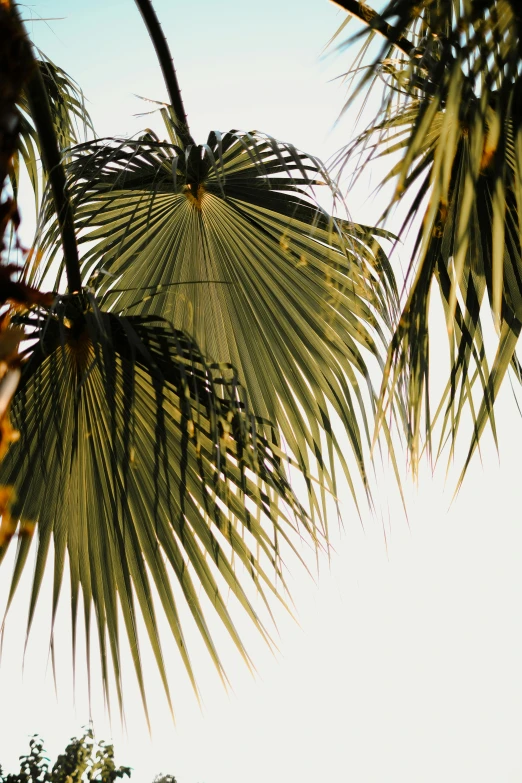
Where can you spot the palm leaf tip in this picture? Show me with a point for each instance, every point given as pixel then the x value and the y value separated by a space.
pixel 226 241
pixel 140 462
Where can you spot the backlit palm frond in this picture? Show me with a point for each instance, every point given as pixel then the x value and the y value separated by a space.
pixel 141 464
pixel 70 117
pixel 225 240
pixel 451 120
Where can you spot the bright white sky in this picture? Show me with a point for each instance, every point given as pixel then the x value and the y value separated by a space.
pixel 406 665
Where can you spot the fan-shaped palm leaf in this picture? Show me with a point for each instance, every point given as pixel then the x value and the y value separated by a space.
pixel 139 461
pixel 451 111
pixel 225 240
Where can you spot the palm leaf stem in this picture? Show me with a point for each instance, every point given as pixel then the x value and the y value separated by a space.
pixel 167 67
pixel 376 22
pixel 51 158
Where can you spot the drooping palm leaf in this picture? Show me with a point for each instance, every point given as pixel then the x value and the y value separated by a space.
pixel 70 117
pixel 140 463
pixel 451 114
pixel 225 240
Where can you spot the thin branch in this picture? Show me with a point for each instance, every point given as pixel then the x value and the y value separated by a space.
pixel 52 161
pixel 376 22
pixel 167 66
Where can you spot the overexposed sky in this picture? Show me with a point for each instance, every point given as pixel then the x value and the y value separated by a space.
pixel 406 664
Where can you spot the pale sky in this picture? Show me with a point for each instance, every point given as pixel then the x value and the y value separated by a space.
pixel 407 663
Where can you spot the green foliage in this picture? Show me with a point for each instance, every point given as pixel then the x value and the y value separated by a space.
pixel 216 325
pixel 451 121
pixel 83 761
pixel 149 457
pixel 225 240
pixel 70 117
pixel 139 460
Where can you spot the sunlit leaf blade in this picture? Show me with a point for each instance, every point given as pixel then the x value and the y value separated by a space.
pixel 451 120
pixel 141 464
pixel 226 241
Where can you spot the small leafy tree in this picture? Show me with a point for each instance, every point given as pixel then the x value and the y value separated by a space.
pixel 83 759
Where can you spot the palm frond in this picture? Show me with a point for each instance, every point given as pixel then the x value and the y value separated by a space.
pixel 226 241
pixel 71 121
pixel 140 462
pixel 450 119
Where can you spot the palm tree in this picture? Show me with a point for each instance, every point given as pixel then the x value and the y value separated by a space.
pixel 451 122
pixel 14 72
pixel 140 459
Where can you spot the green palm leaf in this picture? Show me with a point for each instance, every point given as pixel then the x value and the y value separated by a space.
pixel 70 118
pixel 140 463
pixel 451 115
pixel 225 240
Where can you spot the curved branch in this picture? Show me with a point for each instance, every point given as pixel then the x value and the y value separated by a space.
pixel 52 160
pixel 376 22
pixel 167 67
